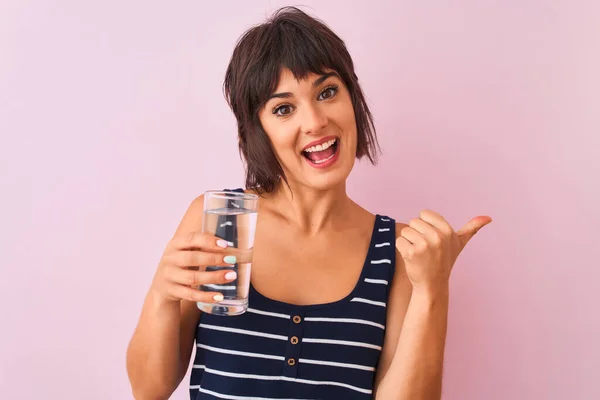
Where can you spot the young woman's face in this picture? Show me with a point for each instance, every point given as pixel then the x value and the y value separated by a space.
pixel 312 127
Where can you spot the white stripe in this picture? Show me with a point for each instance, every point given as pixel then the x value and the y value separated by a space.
pixel 230 244
pixel 278 378
pixel 228 396
pixel 384 261
pixel 384 229
pixel 342 342
pixel 378 281
pixel 241 353
pixel 385 219
pixel 383 244
pixel 236 375
pixel 242 331
pixel 336 364
pixel 236 205
pixel 271 314
pixel 375 303
pixel 367 391
pixel 219 287
pixel 228 223
pixel 345 320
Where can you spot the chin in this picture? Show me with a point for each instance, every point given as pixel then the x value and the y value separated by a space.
pixel 330 177
pixel 323 183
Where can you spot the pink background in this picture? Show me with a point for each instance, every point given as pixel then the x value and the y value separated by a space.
pixel 106 114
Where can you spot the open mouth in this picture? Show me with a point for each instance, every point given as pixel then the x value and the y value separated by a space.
pixel 321 153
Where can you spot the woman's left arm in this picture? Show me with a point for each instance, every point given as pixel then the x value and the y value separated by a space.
pixel 413 352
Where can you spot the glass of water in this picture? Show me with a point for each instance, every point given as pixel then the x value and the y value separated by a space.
pixel 232 217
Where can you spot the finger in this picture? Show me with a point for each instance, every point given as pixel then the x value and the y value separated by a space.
pixel 424 228
pixel 403 246
pixel 471 228
pixel 194 258
pixel 437 221
pixel 199 240
pixel 195 278
pixel 241 255
pixel 194 295
pixel 412 236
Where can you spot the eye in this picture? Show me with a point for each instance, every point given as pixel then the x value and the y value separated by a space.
pixel 328 92
pixel 283 110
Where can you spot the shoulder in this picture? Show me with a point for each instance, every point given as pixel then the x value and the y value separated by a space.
pixel 195 206
pixel 192 218
pixel 401 288
pixel 400 272
pixel 399 227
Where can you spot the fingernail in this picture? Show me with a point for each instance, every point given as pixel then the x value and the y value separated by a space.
pixel 218 297
pixel 222 243
pixel 230 259
pixel 230 276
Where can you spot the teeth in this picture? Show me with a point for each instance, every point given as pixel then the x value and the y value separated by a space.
pixel 320 147
pixel 325 160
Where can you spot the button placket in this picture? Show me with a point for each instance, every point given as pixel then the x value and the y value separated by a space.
pixel 294 344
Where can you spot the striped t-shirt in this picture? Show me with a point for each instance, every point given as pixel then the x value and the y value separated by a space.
pixel 278 350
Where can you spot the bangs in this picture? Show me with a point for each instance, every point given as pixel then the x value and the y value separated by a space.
pixel 289 47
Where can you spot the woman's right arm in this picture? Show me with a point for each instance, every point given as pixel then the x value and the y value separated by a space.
pixel 159 351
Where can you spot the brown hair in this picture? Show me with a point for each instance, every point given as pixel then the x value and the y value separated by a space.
pixel 303 44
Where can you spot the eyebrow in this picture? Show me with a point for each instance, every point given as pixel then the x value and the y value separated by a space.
pixel 316 83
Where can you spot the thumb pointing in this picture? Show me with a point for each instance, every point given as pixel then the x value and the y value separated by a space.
pixel 471 228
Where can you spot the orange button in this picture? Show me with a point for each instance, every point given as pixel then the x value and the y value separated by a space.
pixel 291 362
pixel 294 339
pixel 297 319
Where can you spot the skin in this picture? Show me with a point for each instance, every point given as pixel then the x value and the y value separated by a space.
pixel 309 249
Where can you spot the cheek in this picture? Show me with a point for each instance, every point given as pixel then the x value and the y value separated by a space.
pixel 276 134
pixel 345 115
pixel 348 123
pixel 351 118
pixel 284 147
pixel 282 140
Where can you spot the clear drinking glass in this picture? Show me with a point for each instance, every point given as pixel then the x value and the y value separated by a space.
pixel 231 216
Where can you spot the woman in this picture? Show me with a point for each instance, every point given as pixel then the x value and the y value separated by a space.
pixel 336 311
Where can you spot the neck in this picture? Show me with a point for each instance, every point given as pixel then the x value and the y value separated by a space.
pixel 311 210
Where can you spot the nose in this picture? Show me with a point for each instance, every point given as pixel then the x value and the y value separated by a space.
pixel 314 120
